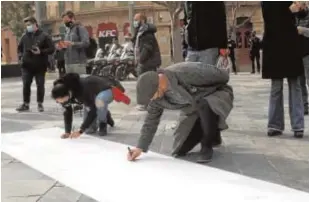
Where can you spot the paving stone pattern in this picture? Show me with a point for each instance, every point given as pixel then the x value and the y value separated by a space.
pixel 246 149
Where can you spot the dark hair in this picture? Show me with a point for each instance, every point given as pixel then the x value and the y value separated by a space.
pixel 59 90
pixel 68 13
pixel 31 19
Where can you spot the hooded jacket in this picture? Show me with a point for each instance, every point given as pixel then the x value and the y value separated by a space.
pixel 146 48
pixel 30 61
pixel 83 90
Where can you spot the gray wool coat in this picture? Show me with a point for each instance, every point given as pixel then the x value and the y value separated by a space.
pixel 195 81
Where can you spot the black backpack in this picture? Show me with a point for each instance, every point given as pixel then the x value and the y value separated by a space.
pixel 91 50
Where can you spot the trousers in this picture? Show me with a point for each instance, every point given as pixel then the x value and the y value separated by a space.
pixel 27 78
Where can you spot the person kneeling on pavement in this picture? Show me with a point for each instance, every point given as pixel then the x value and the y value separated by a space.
pixel 94 92
pixel 201 93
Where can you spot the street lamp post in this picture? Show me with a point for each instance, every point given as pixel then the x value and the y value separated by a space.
pixel 38 15
pixel 131 13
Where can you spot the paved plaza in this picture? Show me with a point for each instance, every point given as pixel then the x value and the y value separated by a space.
pixel 246 149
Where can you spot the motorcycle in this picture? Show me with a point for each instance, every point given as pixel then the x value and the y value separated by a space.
pixel 113 61
pixel 126 66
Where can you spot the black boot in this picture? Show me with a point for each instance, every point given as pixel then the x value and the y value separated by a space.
pixel 218 139
pixel 205 155
pixel 299 134
pixel 273 133
pixel 109 119
pixel 103 129
pixel 23 107
pixel 40 107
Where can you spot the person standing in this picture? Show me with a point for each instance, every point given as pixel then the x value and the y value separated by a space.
pixel 146 48
pixel 303 22
pixel 231 44
pixel 255 47
pixel 59 57
pixel 76 41
pixel 205 31
pixel 33 50
pixel 280 62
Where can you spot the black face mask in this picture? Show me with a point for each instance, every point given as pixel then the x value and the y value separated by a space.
pixel 68 24
pixel 302 13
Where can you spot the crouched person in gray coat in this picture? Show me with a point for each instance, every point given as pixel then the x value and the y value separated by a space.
pixel 204 98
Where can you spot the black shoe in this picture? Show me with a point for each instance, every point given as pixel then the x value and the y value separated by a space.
pixel 299 134
pixel 306 112
pixel 23 107
pixel 103 129
pixel 252 72
pixel 40 107
pixel 179 155
pixel 273 133
pixel 109 119
pixel 205 155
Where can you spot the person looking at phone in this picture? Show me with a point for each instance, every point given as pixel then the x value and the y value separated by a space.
pixel 33 50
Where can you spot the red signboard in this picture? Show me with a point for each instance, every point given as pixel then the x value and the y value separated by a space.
pixel 90 30
pixel 107 30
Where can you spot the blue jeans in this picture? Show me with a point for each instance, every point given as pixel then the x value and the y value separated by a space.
pixel 276 107
pixel 102 100
pixel 304 80
pixel 208 56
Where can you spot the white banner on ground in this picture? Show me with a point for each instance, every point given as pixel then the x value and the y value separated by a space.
pixel 99 169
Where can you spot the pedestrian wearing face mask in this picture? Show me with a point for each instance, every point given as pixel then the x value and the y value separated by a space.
pixel 75 43
pixel 33 50
pixel 146 48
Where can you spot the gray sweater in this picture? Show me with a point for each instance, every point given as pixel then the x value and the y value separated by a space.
pixel 75 54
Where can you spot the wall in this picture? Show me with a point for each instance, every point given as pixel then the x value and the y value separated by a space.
pixel 9 46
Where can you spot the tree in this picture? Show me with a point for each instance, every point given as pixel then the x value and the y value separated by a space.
pixel 13 13
pixel 234 7
pixel 174 9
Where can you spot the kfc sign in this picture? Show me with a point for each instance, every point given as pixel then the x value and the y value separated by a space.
pixel 107 30
pixel 108 33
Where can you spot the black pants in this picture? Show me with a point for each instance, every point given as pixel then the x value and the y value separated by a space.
pixel 255 58
pixel 233 64
pixel 204 131
pixel 61 67
pixel 27 77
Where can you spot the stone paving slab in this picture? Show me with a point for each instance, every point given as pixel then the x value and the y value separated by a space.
pixel 246 149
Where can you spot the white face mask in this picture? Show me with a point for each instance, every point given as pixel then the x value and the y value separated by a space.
pixel 136 24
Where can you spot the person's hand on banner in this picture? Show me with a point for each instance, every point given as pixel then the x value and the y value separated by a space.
pixel 133 154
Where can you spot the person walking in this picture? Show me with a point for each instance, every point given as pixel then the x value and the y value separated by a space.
pixel 231 44
pixel 255 47
pixel 280 62
pixel 33 50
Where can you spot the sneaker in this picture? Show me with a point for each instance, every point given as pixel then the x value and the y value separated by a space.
pixel 103 129
pixel 23 107
pixel 40 107
pixel 205 155
pixel 299 134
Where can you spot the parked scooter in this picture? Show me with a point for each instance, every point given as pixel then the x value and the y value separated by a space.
pixel 126 66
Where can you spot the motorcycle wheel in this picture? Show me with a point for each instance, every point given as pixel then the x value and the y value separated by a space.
pixel 121 74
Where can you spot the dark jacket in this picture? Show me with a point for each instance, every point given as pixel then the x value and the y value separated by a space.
pixel 303 21
pixel 146 47
pixel 83 91
pixel 231 44
pixel 255 46
pixel 30 61
pixel 193 81
pixel 282 49
pixel 205 25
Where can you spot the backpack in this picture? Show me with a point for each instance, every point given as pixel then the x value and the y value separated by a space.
pixel 92 48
